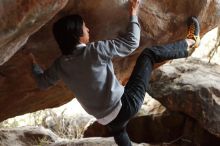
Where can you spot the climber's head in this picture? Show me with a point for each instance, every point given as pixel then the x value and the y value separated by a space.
pixel 70 31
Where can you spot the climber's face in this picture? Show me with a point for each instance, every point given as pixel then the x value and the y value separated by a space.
pixel 85 38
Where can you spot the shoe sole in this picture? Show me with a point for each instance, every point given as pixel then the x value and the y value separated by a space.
pixel 195 21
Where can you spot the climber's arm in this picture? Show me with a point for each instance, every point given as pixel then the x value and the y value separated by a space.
pixel 126 44
pixel 45 78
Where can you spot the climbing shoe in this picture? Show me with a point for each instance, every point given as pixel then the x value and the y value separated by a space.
pixel 193 33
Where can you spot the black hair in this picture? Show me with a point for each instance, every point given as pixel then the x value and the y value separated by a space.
pixel 67 31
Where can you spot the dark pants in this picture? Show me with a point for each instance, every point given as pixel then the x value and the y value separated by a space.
pixel 137 86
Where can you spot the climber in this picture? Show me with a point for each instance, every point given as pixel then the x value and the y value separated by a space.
pixel 87 69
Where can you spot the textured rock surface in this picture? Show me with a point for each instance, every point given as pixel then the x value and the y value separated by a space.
pixel 160 21
pixel 26 136
pixel 20 19
pixel 167 129
pixel 157 125
pixel 192 87
pixel 33 136
pixel 96 141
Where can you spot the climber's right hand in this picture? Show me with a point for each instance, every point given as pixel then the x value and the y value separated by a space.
pixel 134 6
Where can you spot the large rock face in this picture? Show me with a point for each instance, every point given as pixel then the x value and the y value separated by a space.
pixel 192 87
pixel 19 19
pixel 162 22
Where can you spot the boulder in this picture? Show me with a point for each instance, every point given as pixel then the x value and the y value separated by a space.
pixel 26 136
pixel 192 87
pixel 29 136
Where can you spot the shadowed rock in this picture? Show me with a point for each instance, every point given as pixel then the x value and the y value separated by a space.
pixel 156 125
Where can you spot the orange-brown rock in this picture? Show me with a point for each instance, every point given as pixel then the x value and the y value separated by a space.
pixel 19 19
pixel 162 21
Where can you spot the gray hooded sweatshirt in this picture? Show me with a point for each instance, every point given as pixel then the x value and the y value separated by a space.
pixel 89 72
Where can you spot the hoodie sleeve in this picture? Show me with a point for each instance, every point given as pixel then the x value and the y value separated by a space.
pixel 45 78
pixel 122 46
